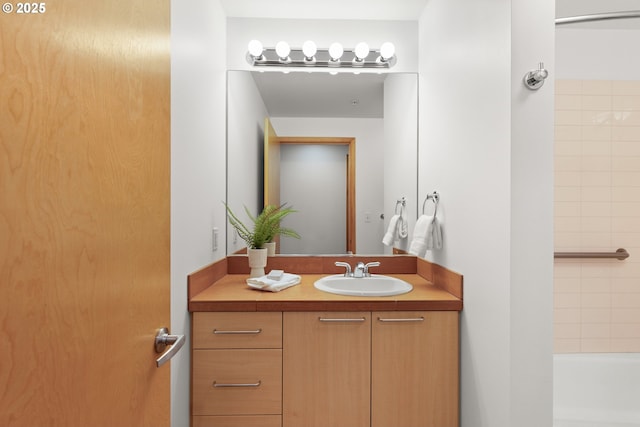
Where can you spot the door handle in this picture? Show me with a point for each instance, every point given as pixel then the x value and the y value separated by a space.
pixel 163 339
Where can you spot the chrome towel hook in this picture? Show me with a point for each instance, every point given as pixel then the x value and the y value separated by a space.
pixel 435 197
pixel 400 203
pixel 534 79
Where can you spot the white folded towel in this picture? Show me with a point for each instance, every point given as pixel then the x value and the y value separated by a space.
pixel 392 231
pixel 427 234
pixel 265 284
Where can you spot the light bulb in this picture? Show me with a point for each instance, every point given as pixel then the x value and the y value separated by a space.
pixel 387 50
pixel 255 48
pixel 309 49
pixel 362 51
pixel 283 50
pixel 335 51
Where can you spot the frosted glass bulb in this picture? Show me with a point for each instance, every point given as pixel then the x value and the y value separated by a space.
pixel 255 48
pixel 362 50
pixel 387 50
pixel 335 51
pixel 309 49
pixel 283 50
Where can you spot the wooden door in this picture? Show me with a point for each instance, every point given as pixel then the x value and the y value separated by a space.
pixel 271 170
pixel 326 369
pixel 271 165
pixel 84 213
pixel 414 361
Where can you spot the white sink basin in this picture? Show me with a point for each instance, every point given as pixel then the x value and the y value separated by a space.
pixel 375 286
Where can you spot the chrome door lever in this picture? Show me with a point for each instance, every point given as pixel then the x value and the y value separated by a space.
pixel 163 339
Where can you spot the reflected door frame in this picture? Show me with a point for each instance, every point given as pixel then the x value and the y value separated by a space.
pixel 351 177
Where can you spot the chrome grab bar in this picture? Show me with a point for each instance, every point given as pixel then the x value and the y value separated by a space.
pixel 620 254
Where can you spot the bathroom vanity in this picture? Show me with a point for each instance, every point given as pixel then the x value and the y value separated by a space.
pixel 304 357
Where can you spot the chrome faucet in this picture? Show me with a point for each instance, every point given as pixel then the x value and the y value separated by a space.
pixel 361 269
pixel 348 272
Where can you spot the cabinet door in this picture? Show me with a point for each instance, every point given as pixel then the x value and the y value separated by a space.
pixel 326 369
pixel 414 369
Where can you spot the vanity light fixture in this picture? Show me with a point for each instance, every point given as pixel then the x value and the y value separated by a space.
pixel 309 50
pixel 283 50
pixel 335 53
pixel 255 50
pixel 309 55
pixel 361 51
pixel 387 51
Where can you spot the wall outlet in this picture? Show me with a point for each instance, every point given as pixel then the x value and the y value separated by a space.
pixel 214 238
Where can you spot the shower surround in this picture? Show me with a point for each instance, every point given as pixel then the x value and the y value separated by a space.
pixel 597 208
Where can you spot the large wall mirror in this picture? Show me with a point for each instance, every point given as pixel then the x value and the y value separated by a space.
pixel 332 130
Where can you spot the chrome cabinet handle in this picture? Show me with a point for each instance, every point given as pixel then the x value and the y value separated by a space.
pixel 219 332
pixel 357 319
pixel 411 319
pixel 162 340
pixel 217 384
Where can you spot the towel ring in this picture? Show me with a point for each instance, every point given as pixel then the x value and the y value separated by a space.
pixel 435 197
pixel 402 202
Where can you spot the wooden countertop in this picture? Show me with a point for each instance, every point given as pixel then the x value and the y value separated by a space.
pixel 229 292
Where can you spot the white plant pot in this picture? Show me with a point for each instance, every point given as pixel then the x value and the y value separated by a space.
pixel 271 248
pixel 257 261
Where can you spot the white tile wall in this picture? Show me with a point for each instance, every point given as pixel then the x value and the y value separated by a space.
pixel 597 208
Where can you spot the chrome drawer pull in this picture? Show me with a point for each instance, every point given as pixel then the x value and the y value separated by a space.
pixel 359 319
pixel 219 332
pixel 412 319
pixel 216 384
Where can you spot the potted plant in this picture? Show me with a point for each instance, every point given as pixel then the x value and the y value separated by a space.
pixel 265 227
pixel 274 215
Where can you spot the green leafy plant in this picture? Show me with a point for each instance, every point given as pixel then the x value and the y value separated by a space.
pixel 265 226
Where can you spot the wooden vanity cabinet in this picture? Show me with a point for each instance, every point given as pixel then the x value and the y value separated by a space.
pixel 370 369
pixel 236 369
pixel 414 369
pixel 326 370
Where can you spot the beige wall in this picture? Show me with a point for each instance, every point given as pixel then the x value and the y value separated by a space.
pixel 597 208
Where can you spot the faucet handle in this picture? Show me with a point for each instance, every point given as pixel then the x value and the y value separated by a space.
pixel 347 273
pixel 370 264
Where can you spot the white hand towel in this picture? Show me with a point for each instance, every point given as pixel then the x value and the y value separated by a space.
pixel 403 227
pixel 392 231
pixel 434 235
pixel 265 284
pixel 418 245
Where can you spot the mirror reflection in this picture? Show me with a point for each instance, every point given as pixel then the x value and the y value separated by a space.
pixel 346 152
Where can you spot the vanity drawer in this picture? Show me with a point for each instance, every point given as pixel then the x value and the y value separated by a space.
pixel 237 330
pixel 237 421
pixel 237 382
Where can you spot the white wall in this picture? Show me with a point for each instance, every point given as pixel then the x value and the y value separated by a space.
pixel 592 54
pixel 485 144
pixel 400 150
pixel 532 132
pixel 369 167
pixel 197 165
pixel 245 138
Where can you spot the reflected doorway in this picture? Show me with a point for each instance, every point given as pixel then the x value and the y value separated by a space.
pixel 316 176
